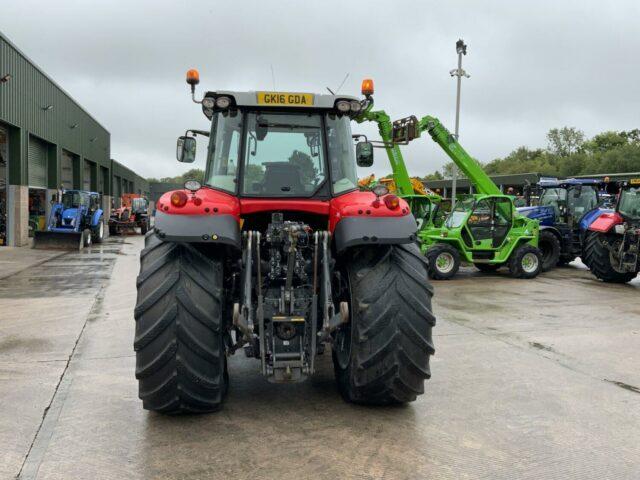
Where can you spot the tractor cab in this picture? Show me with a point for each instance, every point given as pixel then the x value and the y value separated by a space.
pixel 564 201
pixel 629 203
pixel 279 145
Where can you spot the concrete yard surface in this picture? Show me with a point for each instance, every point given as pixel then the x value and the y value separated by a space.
pixel 532 379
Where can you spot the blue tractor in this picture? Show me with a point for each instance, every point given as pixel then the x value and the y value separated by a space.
pixel 76 220
pixel 565 210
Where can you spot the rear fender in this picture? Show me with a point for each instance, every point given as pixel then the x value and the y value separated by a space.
pixel 355 231
pixel 605 222
pixel 95 219
pixel 592 216
pixel 211 229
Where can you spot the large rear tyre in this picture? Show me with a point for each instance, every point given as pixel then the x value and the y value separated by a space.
pixel 525 262
pixel 549 246
pixel 382 356
pixel 599 259
pixel 443 260
pixel 179 342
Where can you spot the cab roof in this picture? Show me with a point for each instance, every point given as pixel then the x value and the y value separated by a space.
pixel 567 182
pixel 250 98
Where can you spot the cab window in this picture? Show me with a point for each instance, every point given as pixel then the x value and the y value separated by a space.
pixel 284 155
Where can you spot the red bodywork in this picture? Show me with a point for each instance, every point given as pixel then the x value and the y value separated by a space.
pixel 352 204
pixel 606 222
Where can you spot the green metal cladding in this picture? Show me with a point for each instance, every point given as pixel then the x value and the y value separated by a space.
pixel 33 105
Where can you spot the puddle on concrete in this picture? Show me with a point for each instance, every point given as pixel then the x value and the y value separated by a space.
pixel 73 274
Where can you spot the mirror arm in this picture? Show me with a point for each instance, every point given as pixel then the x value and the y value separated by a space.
pixel 204 133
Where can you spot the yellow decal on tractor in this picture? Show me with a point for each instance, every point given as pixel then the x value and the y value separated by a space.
pixel 283 98
pixel 635 181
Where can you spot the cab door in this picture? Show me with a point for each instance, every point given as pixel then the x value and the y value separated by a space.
pixel 490 222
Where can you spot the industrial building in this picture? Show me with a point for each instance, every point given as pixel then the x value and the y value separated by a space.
pixel 47 140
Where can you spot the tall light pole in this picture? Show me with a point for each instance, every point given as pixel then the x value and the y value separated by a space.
pixel 461 49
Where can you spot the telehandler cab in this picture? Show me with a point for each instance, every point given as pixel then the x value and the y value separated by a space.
pixel 278 253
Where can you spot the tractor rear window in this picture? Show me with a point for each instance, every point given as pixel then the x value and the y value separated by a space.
pixel 630 202
pixel 71 199
pixel 284 155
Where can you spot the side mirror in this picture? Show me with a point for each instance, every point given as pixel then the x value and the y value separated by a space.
pixel 364 154
pixel 186 149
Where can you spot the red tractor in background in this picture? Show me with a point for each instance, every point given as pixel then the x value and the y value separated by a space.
pixel 133 212
pixel 278 253
pixel 612 244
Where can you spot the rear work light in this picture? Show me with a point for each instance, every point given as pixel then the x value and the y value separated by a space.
pixel 179 199
pixel 392 202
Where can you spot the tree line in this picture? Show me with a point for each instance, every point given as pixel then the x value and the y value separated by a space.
pixel 568 153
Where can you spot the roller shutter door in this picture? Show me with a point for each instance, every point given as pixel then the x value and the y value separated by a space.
pixel 66 170
pixel 37 163
pixel 86 178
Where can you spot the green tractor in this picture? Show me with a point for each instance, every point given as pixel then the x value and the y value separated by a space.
pixel 484 228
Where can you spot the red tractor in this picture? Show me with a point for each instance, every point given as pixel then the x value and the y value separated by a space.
pixel 133 213
pixel 279 254
pixel 612 244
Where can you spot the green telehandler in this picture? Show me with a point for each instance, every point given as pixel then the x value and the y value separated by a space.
pixel 483 228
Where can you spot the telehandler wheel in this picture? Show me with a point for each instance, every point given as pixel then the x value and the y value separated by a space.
pixel 549 246
pixel 382 356
pixel 487 267
pixel 525 262
pixel 444 261
pixel 599 259
pixel 179 342
pixel 97 234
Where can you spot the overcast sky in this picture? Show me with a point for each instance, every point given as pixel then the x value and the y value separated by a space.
pixel 534 64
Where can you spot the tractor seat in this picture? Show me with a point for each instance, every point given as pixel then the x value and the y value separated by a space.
pixel 282 178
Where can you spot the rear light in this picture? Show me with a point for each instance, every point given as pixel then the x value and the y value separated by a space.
pixel 179 199
pixel 392 202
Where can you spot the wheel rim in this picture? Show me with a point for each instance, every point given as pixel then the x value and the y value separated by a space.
pixel 88 237
pixel 342 341
pixel 342 345
pixel 530 262
pixel 614 258
pixel 445 262
pixel 101 229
